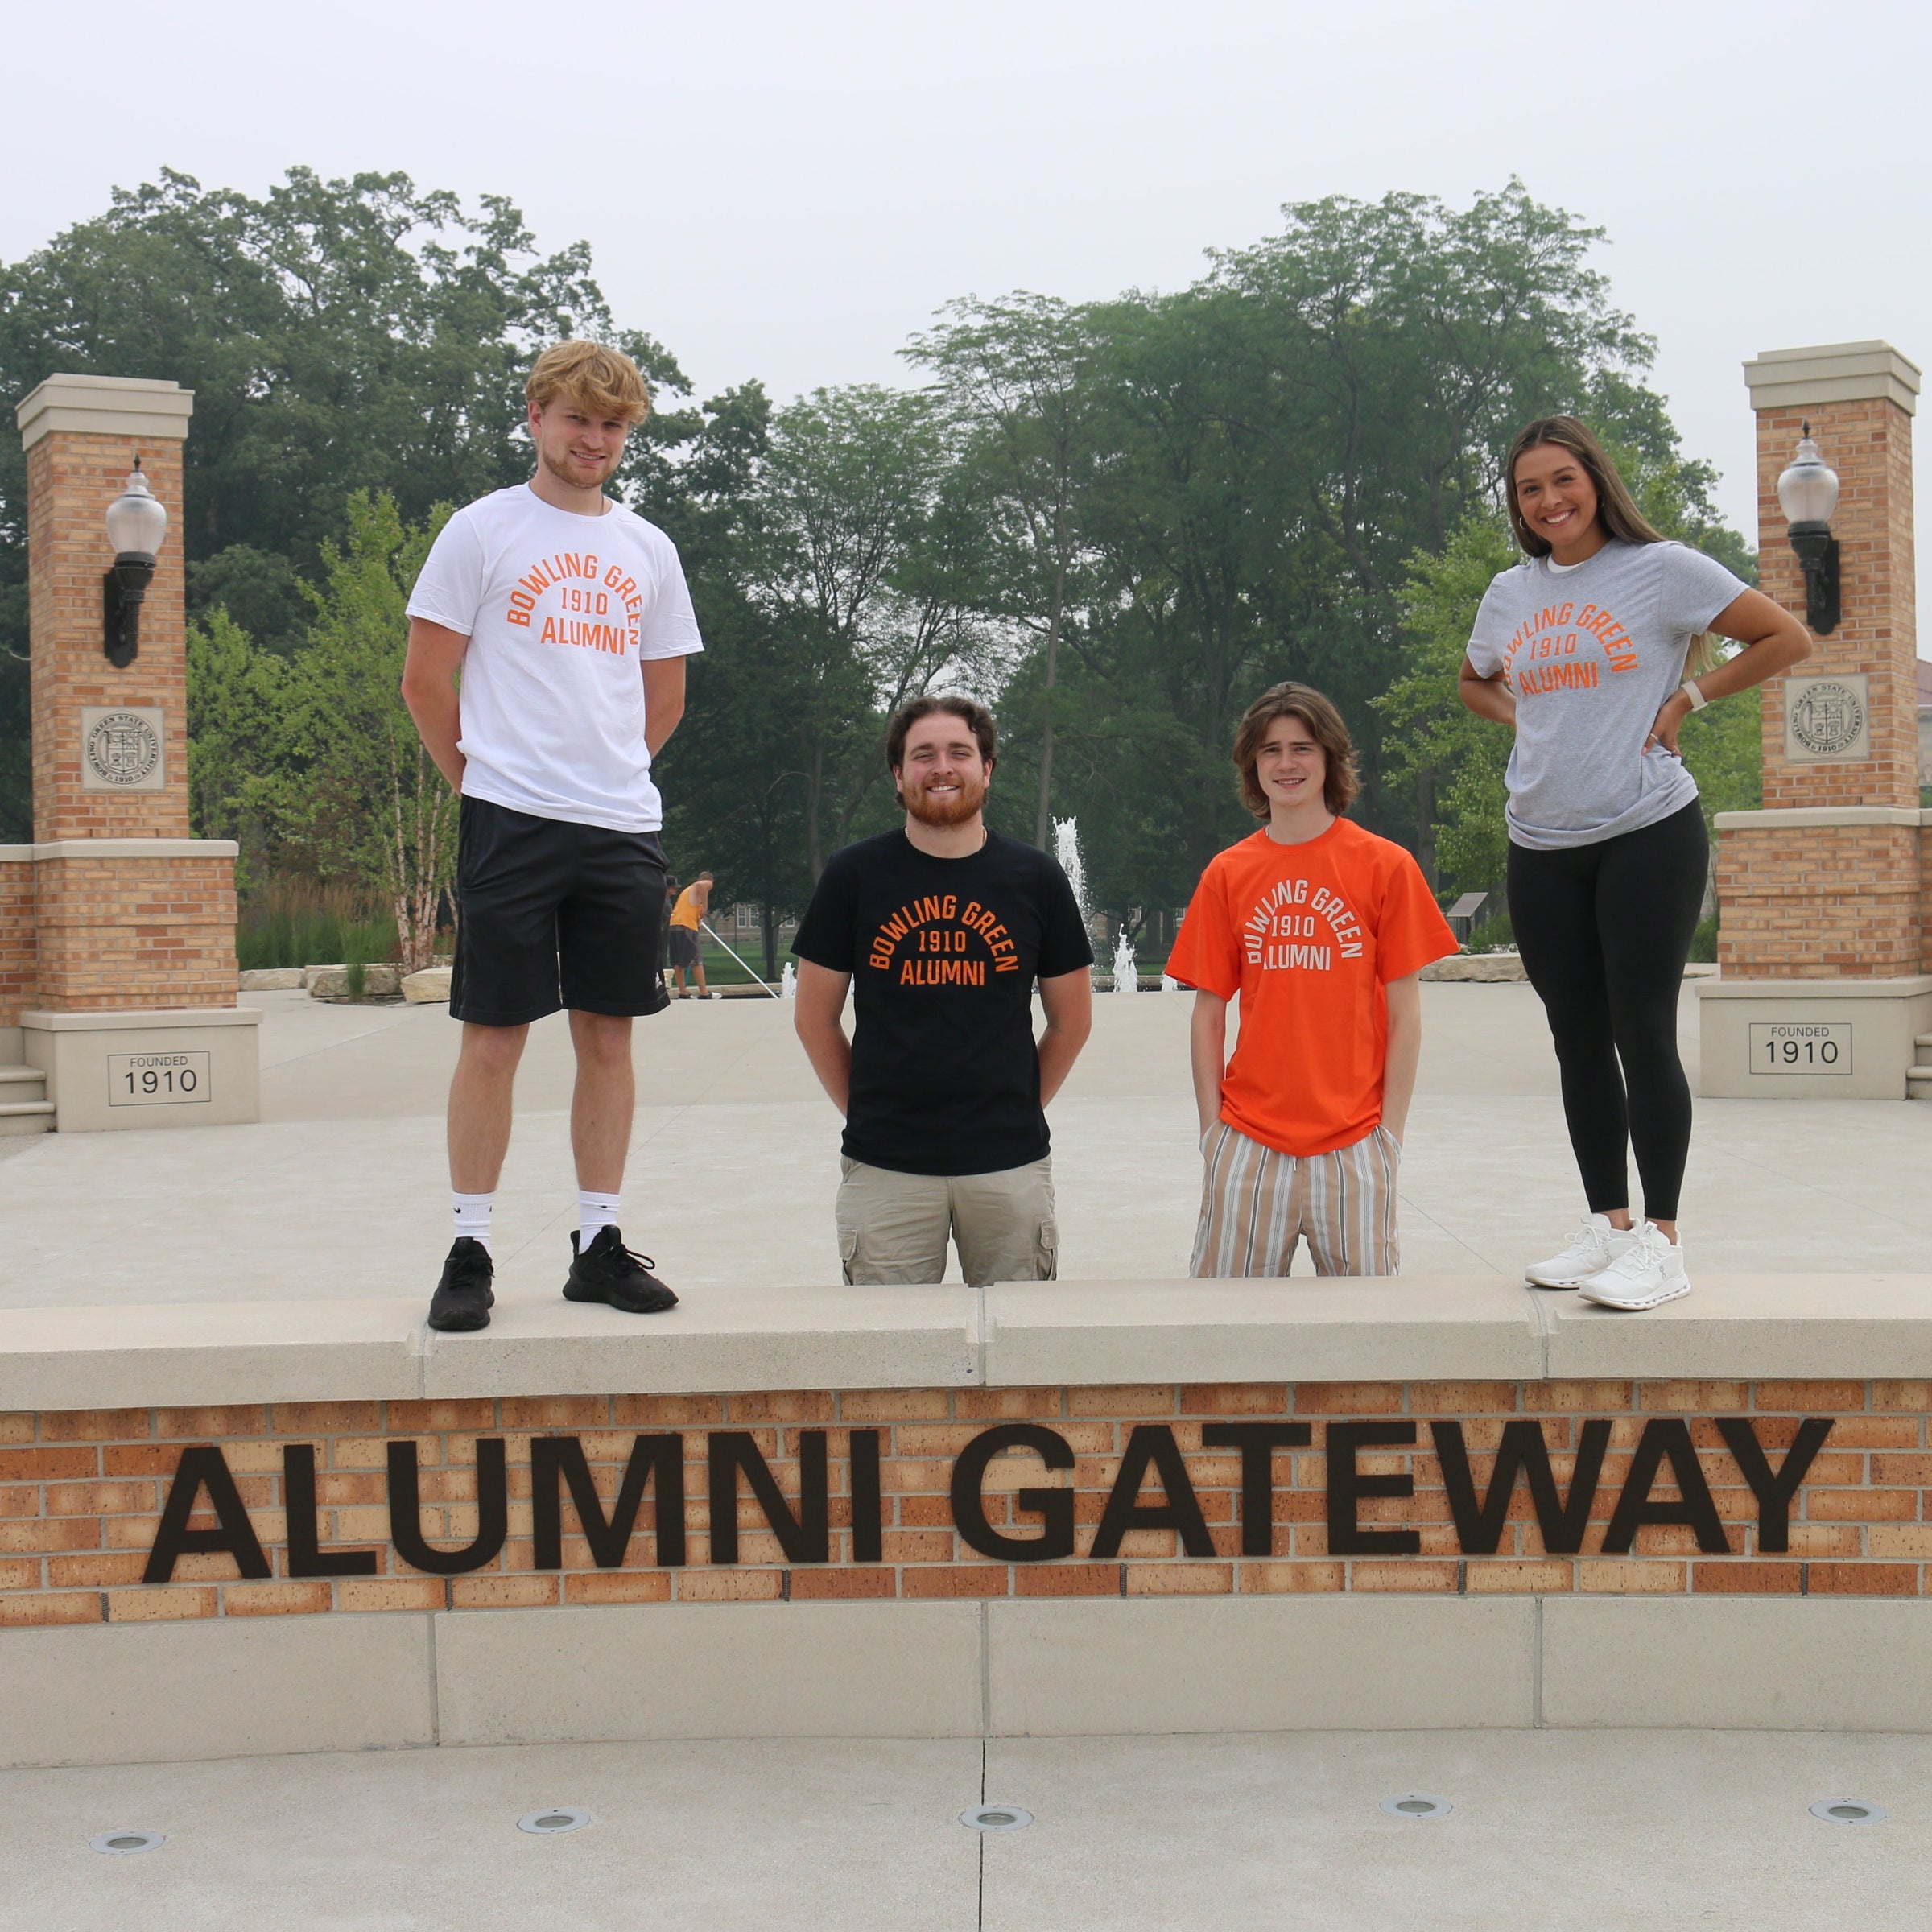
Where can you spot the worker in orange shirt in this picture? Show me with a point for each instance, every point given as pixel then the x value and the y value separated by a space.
pixel 687 957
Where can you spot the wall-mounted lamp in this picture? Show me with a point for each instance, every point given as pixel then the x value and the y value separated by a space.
pixel 1808 491
pixel 136 523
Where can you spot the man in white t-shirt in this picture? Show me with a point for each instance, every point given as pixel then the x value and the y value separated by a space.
pixel 566 618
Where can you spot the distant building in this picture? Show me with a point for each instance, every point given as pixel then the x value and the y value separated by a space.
pixel 1925 722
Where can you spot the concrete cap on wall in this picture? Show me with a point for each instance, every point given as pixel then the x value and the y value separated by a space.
pixel 1832 372
pixel 106 405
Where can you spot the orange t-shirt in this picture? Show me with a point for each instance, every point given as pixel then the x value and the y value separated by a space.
pixel 688 911
pixel 1309 936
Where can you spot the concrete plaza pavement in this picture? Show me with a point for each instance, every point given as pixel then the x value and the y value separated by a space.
pixel 1551 1831
pixel 341 1190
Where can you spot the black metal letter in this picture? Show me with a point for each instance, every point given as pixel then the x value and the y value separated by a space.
pixel 1773 1491
pixel 868 1542
pixel 1522 1452
pixel 1257 1443
pixel 306 1555
pixel 1053 1507
pixel 1152 1443
pixel 1666 1438
pixel 203 1468
pixel 1347 1486
pixel 805 1538
pixel 405 1514
pixel 556 1459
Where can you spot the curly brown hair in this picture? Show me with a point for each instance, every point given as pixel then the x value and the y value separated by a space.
pixel 1324 722
pixel 975 716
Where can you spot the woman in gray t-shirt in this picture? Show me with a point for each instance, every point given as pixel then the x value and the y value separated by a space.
pixel 1582 648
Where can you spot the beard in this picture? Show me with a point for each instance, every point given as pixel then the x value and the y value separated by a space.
pixel 565 472
pixel 942 812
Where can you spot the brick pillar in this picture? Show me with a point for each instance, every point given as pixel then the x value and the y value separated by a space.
pixel 1823 945
pixel 132 971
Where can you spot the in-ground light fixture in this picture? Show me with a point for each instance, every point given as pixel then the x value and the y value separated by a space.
pixel 1808 491
pixel 136 521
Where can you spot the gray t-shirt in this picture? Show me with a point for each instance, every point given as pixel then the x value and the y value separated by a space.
pixel 1591 652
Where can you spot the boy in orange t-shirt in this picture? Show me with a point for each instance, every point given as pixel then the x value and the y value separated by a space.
pixel 1322 928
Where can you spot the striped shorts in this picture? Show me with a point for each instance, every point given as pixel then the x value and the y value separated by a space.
pixel 1257 1205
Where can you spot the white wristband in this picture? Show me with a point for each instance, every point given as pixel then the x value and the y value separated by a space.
pixel 1698 699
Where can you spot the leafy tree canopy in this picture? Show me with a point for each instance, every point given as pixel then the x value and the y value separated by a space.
pixel 1119 520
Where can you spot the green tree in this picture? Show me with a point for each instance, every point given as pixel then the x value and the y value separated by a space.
pixel 1455 759
pixel 1284 436
pixel 734 797
pixel 237 695
pixel 732 792
pixel 845 500
pixel 358 790
pixel 1012 373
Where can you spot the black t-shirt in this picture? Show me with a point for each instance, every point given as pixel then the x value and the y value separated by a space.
pixel 943 955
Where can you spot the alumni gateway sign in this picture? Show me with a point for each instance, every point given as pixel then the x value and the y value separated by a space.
pixel 1661 1480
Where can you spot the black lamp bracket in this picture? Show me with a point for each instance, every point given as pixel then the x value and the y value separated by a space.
pixel 122 590
pixel 1817 551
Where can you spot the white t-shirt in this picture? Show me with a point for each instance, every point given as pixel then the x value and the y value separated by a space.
pixel 560 611
pixel 1591 651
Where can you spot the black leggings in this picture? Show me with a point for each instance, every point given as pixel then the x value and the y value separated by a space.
pixel 1605 931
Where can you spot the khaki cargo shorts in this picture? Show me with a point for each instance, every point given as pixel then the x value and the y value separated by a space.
pixel 894 1227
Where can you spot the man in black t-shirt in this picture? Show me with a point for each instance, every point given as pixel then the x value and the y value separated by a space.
pixel 941 929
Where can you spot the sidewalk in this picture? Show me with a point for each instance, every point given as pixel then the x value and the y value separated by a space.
pixel 1550 1832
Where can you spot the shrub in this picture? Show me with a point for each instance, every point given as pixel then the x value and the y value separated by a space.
pixel 289 920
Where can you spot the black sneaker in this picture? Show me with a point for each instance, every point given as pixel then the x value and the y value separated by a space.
pixel 464 1296
pixel 608 1271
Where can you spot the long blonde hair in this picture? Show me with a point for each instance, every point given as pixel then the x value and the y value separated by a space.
pixel 1616 508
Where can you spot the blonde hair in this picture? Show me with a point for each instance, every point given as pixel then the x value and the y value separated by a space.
pixel 601 381
pixel 1341 782
pixel 1616 508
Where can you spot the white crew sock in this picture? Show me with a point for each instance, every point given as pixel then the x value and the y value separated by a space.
pixel 472 1215
pixel 594 1212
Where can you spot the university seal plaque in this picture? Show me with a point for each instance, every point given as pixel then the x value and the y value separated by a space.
pixel 120 748
pixel 1827 718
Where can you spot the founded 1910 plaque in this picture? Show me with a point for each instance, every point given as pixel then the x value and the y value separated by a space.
pixel 154 1080
pixel 122 748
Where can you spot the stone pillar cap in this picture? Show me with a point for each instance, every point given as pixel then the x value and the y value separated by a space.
pixel 1832 372
pixel 106 405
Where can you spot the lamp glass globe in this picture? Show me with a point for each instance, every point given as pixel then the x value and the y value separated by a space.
pixel 1808 490
pixel 136 520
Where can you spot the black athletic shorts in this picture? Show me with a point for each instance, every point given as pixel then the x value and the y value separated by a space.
pixel 551 914
pixel 684 948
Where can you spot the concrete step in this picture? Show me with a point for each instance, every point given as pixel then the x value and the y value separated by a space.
pixel 24 1107
pixel 1918 1080
pixel 1924 1039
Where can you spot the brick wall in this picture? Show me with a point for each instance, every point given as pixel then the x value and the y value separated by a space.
pixel 70 479
pixel 1822 901
pixel 135 932
pixel 81 1496
pixel 17 951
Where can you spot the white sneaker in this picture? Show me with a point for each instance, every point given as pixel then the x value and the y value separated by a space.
pixel 1592 1247
pixel 1650 1270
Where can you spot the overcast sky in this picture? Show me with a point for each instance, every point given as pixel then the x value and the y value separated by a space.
pixel 786 191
